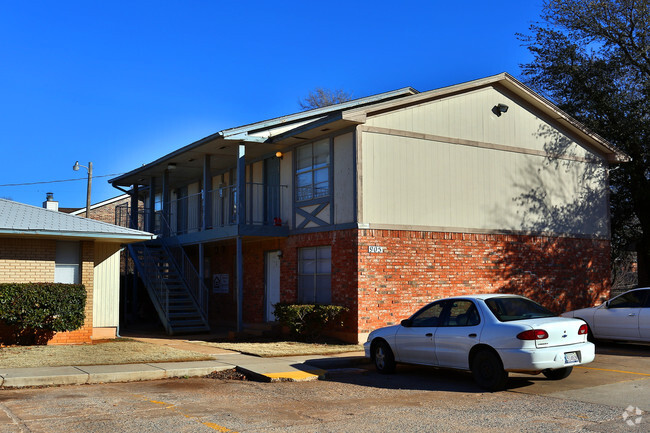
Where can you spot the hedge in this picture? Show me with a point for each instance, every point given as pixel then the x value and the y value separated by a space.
pixel 33 307
pixel 307 320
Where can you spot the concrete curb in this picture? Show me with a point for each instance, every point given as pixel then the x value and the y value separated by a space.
pixel 80 375
pixel 294 369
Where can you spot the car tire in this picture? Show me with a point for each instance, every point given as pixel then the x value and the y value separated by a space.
pixel 383 358
pixel 488 372
pixel 558 374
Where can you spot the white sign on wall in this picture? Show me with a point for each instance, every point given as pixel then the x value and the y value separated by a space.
pixel 220 283
pixel 375 249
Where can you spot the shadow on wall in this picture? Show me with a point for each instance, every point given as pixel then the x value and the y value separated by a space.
pixel 12 335
pixel 564 261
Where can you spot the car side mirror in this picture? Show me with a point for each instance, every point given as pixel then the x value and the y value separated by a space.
pixel 406 323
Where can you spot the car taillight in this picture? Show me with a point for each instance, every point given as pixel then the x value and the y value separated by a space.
pixel 584 329
pixel 533 334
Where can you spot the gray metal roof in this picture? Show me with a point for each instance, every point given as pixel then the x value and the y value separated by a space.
pixel 25 220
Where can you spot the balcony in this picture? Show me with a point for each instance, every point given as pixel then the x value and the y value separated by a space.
pixel 185 217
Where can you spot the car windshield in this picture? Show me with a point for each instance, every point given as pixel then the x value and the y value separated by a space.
pixel 507 309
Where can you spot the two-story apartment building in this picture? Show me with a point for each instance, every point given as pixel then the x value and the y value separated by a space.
pixel 380 204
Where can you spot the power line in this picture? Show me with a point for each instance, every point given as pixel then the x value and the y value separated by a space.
pixel 57 181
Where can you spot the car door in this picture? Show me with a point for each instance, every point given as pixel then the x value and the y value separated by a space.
pixel 644 319
pixel 458 333
pixel 414 339
pixel 619 318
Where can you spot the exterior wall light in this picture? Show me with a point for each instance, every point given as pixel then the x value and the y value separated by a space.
pixel 499 109
pixel 171 166
pixel 279 154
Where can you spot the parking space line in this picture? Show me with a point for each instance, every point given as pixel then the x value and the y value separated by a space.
pixel 212 425
pixel 613 371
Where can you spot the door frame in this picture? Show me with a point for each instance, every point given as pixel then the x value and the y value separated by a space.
pixel 268 314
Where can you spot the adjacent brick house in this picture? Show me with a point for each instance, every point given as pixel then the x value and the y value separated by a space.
pixel 44 245
pixel 385 203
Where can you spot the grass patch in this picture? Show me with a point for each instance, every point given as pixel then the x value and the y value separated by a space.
pixel 119 351
pixel 268 349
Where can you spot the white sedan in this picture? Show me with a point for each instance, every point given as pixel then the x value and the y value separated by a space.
pixel 625 317
pixel 490 335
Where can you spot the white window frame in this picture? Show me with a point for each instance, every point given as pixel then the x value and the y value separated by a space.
pixel 319 165
pixel 315 275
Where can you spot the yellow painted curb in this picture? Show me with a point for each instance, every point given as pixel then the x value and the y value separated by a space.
pixel 296 375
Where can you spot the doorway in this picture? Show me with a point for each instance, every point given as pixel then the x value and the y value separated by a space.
pixel 271 283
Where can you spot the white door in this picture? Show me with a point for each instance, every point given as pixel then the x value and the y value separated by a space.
pixel 619 319
pixel 272 283
pixel 414 342
pixel 458 334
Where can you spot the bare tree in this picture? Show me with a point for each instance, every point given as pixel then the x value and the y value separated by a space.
pixel 321 97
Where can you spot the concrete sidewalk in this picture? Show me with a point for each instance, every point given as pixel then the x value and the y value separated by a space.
pixel 290 368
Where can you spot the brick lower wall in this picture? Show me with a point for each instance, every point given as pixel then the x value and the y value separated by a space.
pixel 33 260
pixel 26 260
pixel 419 267
pixel 344 273
pixel 87 273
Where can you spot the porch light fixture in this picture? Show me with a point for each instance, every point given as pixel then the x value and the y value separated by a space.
pixel 279 154
pixel 499 109
pixel 171 166
pixel 75 167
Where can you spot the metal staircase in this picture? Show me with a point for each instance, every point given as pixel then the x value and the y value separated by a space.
pixel 175 288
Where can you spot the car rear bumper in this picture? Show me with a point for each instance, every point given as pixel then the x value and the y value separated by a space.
pixel 535 360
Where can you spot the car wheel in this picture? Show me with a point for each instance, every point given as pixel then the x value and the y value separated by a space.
pixel 558 374
pixel 488 371
pixel 383 357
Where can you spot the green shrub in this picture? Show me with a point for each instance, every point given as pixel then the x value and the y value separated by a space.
pixel 32 308
pixel 307 320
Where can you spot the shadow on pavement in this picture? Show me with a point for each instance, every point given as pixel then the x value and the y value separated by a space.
pixel 422 378
pixel 622 349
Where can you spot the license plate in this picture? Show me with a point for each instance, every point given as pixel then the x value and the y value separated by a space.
pixel 571 357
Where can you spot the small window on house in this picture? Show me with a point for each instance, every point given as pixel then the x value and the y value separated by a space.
pixel 312 171
pixel 66 263
pixel 314 275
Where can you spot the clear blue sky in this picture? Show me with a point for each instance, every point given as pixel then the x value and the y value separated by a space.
pixel 121 83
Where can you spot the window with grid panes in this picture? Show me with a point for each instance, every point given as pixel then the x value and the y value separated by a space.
pixel 314 275
pixel 312 170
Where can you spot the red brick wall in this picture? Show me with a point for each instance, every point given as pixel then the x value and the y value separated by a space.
pixel 418 267
pixel 344 272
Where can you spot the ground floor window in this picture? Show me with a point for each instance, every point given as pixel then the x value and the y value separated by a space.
pixel 66 265
pixel 314 275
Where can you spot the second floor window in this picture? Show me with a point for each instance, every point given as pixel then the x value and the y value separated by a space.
pixel 312 172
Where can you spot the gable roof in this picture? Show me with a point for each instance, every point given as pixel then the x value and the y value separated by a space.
pixel 513 86
pixel 19 219
pixel 268 136
pixel 79 211
pixel 224 143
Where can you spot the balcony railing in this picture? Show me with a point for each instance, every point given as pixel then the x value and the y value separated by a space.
pixel 263 207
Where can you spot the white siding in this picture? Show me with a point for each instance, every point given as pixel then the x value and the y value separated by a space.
pixel 193 207
pixel 468 116
pixel 497 177
pixel 106 285
pixel 344 178
pixel 255 198
pixel 286 178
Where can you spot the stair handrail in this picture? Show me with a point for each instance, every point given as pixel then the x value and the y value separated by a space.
pixel 193 281
pixel 159 287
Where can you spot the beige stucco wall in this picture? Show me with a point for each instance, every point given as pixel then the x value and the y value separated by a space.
pixel 106 302
pixel 454 165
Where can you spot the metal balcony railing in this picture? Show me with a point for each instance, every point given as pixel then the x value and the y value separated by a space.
pixel 185 214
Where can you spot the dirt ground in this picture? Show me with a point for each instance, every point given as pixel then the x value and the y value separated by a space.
pixel 120 351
